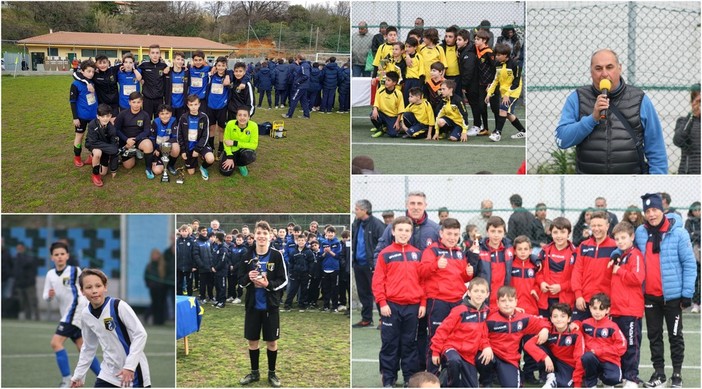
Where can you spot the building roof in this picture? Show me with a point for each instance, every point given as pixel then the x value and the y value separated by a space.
pixel 94 39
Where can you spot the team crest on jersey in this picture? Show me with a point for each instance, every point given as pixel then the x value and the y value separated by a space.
pixel 604 332
pixel 519 326
pixel 187 244
pixel 140 123
pixel 66 281
pixel 530 273
pixel 201 124
pixel 248 132
pixel 459 255
pixel 160 72
pixel 109 324
pixel 429 242
pixel 572 260
pixel 568 341
pixel 413 255
pixel 112 78
pixel 270 266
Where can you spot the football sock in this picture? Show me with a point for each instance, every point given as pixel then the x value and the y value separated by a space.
pixel 62 361
pixel 172 161
pixel 96 169
pixel 149 159
pixel 253 356
pixel 518 125
pixel 221 147
pixel 210 142
pixel 272 356
pixel 95 366
pixel 77 150
pixel 499 123
pixel 205 164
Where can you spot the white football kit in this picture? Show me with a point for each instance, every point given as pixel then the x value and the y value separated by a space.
pixel 68 296
pixel 122 337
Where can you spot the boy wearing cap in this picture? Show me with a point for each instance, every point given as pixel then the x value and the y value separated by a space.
pixel 670 283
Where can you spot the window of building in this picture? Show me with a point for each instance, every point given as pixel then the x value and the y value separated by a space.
pixel 52 52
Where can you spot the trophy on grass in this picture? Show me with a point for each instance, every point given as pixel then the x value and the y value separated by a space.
pixel 165 146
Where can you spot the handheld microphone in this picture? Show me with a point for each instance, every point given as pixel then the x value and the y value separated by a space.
pixel 605 86
pixel 616 259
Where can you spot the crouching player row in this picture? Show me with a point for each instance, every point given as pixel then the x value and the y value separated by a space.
pixel 131 133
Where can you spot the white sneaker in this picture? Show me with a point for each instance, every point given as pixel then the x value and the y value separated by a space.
pixel 519 135
pixel 231 299
pixel 473 131
pixel 495 137
pixel 550 381
pixel 341 308
pixel 237 301
pixel 630 384
pixel 695 308
pixel 65 382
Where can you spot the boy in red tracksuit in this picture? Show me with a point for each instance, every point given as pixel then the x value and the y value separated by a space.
pixel 461 335
pixel 604 345
pixel 557 260
pixel 590 273
pixel 400 296
pixel 444 271
pixel 562 351
pixel 506 327
pixel 524 281
pixel 628 274
pixel 493 257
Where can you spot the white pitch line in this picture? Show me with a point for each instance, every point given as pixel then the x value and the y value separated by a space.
pixel 362 360
pixel 409 144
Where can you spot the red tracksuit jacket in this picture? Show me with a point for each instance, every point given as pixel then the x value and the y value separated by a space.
pixel 524 280
pixel 567 347
pixel 506 333
pixel 557 268
pixel 605 338
pixel 396 276
pixel 628 284
pixel 463 330
pixel 449 283
pixel 590 274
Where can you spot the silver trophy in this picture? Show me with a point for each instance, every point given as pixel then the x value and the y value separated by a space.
pixel 256 265
pixel 165 152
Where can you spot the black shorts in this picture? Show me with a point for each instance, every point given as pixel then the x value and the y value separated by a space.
pixel 68 330
pixel 190 162
pixel 83 126
pixel 217 116
pixel 267 321
pixel 123 144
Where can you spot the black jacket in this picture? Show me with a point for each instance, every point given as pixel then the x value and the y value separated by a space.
pixel 301 262
pixel 25 270
pixel 204 257
pixel 221 259
pixel 277 279
pixel 467 65
pixel 103 138
pixel 373 229
pixel 523 222
pixel 186 254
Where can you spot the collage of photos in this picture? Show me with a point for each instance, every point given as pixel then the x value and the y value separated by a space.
pixel 350 194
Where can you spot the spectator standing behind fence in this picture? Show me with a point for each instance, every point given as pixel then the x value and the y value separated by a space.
pixel 633 215
pixel 25 282
pixel 360 47
pixel 480 221
pixel 154 276
pixel 692 225
pixel 687 135
pixel 627 140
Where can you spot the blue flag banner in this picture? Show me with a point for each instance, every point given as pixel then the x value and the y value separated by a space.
pixel 188 316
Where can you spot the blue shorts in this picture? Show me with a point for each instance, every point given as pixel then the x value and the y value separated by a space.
pixel 508 107
pixel 69 331
pixel 454 129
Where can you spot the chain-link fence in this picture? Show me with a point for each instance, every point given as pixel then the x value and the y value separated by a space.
pixel 563 195
pixel 658 45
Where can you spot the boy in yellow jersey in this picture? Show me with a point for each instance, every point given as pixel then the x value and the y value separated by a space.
pixel 508 76
pixel 414 72
pixel 395 64
pixel 431 52
pixel 451 116
pixel 418 116
pixel 384 53
pixel 451 52
pixel 388 107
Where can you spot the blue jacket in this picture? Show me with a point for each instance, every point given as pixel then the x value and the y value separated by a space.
pixel 315 80
pixel 423 235
pixel 678 265
pixel 330 262
pixel 264 79
pixel 301 78
pixel 280 76
pixel 345 81
pixel 330 75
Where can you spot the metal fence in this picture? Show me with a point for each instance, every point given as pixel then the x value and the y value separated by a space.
pixel 658 45
pixel 564 195
pixel 439 15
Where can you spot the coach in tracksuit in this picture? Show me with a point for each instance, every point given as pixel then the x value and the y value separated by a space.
pixel 400 294
pixel 424 233
pixel 366 230
pixel 670 282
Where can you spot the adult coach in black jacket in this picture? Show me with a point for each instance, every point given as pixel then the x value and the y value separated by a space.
pixel 365 232
pixel 264 276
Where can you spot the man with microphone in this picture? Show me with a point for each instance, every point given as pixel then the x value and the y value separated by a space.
pixel 613 125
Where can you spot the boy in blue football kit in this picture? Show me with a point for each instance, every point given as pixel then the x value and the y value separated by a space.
pixel 129 80
pixel 165 129
pixel 193 132
pixel 177 85
pixel 84 109
pixel 199 77
pixel 264 276
pixel 217 99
